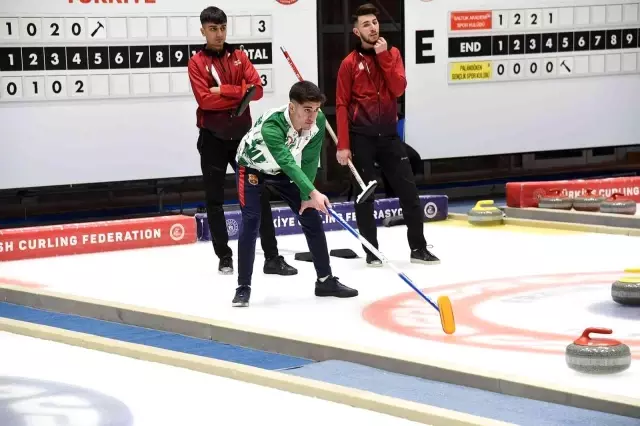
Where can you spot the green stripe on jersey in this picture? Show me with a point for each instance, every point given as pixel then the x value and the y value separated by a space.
pixel 273 146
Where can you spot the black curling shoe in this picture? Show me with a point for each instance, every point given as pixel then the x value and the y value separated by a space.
pixel 331 287
pixel 424 256
pixel 241 299
pixel 278 266
pixel 225 267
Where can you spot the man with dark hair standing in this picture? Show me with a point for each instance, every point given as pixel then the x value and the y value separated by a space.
pixel 283 150
pixel 220 75
pixel 370 80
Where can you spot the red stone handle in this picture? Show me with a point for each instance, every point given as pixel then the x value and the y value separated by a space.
pixel 597 330
pixel 586 340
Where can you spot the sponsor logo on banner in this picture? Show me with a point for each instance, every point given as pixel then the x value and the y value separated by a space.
pixel 539 193
pixel 430 210
pixel 232 227
pixel 287 2
pixel 527 194
pixel 177 232
pixel 626 191
pixel 61 240
pixel 286 223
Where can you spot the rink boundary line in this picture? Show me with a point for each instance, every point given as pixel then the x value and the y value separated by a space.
pixel 396 407
pixel 562 226
pixel 318 350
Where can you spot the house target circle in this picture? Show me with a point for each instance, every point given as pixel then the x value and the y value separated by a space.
pixel 497 313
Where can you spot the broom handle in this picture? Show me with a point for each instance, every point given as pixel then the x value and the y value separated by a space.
pixel 331 132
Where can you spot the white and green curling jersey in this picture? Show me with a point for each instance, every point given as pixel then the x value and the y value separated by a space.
pixel 273 146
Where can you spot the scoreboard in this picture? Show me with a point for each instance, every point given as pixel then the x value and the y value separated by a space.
pixel 511 77
pixel 543 43
pixel 55 58
pixel 98 91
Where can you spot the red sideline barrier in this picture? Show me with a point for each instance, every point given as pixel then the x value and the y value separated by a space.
pixel 95 237
pixel 527 194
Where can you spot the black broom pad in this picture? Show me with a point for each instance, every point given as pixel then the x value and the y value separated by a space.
pixel 341 253
pixel 393 221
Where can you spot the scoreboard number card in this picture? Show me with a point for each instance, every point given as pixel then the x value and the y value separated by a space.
pixel 103 83
pixel 542 43
pixel 40 57
pixel 499 77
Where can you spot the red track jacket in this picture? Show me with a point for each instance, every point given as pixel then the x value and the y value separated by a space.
pixel 234 70
pixel 366 93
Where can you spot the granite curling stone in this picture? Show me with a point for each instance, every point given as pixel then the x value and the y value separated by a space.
pixel 555 200
pixel 597 355
pixel 626 291
pixel 588 202
pixel 485 213
pixel 618 205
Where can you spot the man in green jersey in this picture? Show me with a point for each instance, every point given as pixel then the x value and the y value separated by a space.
pixel 282 149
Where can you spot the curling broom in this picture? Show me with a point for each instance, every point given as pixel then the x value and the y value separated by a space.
pixel 443 306
pixel 368 189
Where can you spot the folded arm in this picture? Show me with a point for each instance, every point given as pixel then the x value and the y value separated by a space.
pixel 201 90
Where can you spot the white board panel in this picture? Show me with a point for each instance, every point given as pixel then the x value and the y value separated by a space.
pixel 98 91
pixel 521 75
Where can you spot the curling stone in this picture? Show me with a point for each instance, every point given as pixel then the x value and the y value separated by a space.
pixel 626 291
pixel 555 200
pixel 589 202
pixel 597 355
pixel 485 213
pixel 619 205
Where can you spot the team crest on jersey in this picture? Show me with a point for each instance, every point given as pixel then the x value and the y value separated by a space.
pixel 253 179
pixel 290 141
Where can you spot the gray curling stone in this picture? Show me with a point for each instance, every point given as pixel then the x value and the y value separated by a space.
pixel 588 202
pixel 626 291
pixel 484 213
pixel 555 200
pixel 619 205
pixel 597 356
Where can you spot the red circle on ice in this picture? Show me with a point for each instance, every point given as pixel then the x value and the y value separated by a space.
pixel 407 314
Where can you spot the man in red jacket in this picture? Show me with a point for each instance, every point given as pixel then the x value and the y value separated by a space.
pixel 370 80
pixel 220 75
